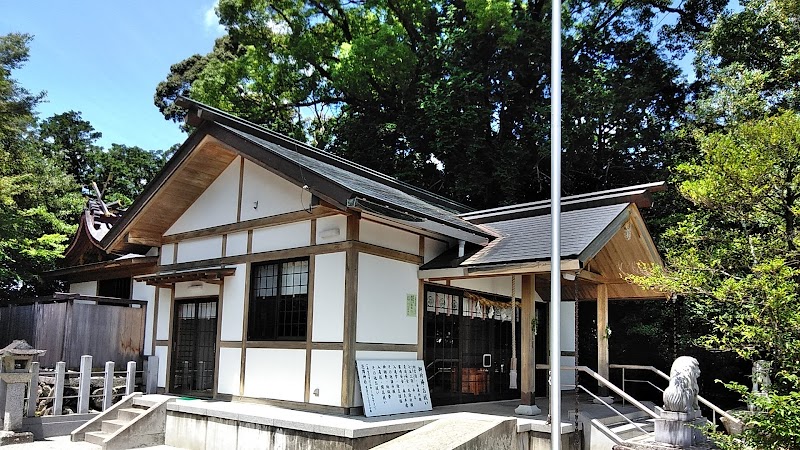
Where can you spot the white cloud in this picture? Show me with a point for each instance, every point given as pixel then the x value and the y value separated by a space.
pixel 211 21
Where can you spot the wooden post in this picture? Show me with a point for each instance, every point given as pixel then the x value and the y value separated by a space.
pixel 130 378
pixel 350 311
pixel 108 385
pixel 33 390
pixel 84 384
pixel 602 337
pixel 151 374
pixel 528 375
pixel 58 402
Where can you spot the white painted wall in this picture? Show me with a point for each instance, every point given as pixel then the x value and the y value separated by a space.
pixel 273 194
pixel 236 244
pixel 326 375
pixel 328 320
pixel 230 364
pixel 217 205
pixel 84 288
pixel 233 307
pixel 433 248
pixel 328 226
pixel 141 291
pixel 366 355
pixel 167 254
pixel 279 237
pixel 183 290
pixel 382 288
pixel 162 352
pixel 567 343
pixel 199 249
pixel 388 237
pixel 275 373
pixel 164 315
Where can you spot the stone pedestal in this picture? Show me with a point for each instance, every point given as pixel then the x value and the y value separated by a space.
pixel 528 410
pixel 12 409
pixel 680 429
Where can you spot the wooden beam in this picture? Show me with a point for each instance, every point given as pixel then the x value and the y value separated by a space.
pixel 602 337
pixel 350 311
pixel 523 268
pixel 527 346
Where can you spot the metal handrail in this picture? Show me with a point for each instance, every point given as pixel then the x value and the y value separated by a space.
pixel 716 409
pixel 607 384
pixel 611 408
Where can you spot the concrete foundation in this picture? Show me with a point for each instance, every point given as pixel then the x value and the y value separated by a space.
pixel 459 432
pixel 11 438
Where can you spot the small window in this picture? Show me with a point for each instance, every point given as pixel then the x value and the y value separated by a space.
pixel 278 301
pixel 115 287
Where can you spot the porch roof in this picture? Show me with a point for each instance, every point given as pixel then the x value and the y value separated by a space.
pixel 213 275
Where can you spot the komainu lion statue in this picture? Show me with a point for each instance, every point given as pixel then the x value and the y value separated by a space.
pixel 681 394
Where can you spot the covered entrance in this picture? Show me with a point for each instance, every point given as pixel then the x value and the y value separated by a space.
pixel 468 343
pixel 194 347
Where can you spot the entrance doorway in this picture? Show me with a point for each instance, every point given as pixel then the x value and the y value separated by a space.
pixel 194 347
pixel 468 346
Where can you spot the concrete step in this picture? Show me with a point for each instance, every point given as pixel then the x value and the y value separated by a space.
pixel 627 431
pixel 96 437
pixel 147 401
pixel 110 426
pixel 464 430
pixel 128 414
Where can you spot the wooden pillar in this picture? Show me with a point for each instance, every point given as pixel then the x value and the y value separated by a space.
pixel 527 354
pixel 602 338
pixel 350 311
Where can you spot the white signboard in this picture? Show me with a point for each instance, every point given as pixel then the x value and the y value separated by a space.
pixel 393 387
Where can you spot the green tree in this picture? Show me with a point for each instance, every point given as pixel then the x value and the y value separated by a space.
pixel 121 172
pixel 452 96
pixel 40 202
pixel 736 258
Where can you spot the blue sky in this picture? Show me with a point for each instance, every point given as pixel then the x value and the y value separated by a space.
pixel 105 58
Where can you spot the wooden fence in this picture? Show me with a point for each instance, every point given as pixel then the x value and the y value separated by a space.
pixel 85 389
pixel 71 325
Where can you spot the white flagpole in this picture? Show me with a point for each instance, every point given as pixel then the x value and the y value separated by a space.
pixel 555 226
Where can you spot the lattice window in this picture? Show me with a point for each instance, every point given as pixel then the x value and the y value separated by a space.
pixel 279 301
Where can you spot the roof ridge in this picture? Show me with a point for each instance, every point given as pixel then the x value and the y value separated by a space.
pixel 216 114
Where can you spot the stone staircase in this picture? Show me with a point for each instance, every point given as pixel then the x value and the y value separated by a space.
pixel 605 433
pixel 135 421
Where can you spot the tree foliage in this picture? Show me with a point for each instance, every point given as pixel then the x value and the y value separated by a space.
pixel 450 95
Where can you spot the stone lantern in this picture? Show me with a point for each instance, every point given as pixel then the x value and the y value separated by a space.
pixel 15 374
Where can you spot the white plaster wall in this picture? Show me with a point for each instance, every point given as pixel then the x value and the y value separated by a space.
pixel 273 194
pixel 367 355
pixel 162 352
pixel 233 306
pixel 199 249
pixel 329 225
pixel 236 244
pixel 84 288
pixel 167 254
pixel 326 375
pixel 328 320
pixel 230 363
pixel 433 248
pixel 388 237
pixel 567 376
pixel 217 205
pixel 275 373
pixel 141 291
pixel 382 288
pixel 281 237
pixel 164 315
pixel 183 290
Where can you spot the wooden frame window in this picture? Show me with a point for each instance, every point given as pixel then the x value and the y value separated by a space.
pixel 278 307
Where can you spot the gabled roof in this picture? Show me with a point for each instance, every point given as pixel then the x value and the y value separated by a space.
pixel 220 137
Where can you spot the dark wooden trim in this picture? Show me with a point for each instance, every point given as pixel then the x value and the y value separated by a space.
pixel 327 345
pixel 384 252
pixel 175 253
pixel 369 347
pixel 290 253
pixel 224 245
pixel 170 350
pixel 263 222
pixel 528 342
pixel 161 342
pixel 288 345
pixel 350 313
pixel 249 242
pixel 155 320
pixel 310 317
pixel 230 344
pixel 105 270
